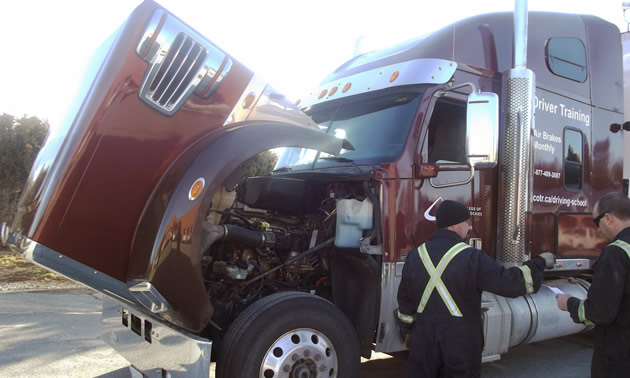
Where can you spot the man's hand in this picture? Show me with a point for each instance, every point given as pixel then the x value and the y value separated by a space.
pixel 549 258
pixel 405 334
pixel 561 300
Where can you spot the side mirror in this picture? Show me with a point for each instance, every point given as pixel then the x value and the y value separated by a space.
pixel 482 128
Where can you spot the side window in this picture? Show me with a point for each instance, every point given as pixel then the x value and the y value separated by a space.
pixel 566 57
pixel 573 165
pixel 447 132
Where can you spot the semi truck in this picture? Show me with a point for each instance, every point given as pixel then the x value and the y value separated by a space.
pixel 142 194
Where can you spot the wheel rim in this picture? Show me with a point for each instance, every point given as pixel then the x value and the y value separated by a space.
pixel 301 353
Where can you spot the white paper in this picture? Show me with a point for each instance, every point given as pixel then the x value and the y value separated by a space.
pixel 556 290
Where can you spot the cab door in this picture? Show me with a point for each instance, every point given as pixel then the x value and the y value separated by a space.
pixel 457 161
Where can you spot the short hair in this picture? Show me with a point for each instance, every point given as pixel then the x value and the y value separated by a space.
pixel 618 204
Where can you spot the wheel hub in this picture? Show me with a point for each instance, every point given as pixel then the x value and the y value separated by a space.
pixel 301 353
pixel 304 369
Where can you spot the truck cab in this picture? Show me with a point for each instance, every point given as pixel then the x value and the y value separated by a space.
pixel 143 195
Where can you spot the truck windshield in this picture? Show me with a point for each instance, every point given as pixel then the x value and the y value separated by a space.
pixel 377 127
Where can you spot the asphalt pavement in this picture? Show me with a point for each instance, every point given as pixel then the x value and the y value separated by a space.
pixel 57 334
pixel 54 334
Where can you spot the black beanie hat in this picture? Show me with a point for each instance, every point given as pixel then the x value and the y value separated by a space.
pixel 450 213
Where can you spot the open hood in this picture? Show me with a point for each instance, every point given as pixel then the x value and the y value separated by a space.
pixel 164 117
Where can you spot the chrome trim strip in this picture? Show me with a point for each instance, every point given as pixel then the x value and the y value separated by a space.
pixel 149 344
pixel 241 111
pixel 76 271
pixel 147 46
pixel 417 71
pixel 571 264
pixel 149 296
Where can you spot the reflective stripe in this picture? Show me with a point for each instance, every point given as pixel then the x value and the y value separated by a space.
pixel 409 319
pixel 623 245
pixel 582 316
pixel 527 276
pixel 435 280
pixel 581 311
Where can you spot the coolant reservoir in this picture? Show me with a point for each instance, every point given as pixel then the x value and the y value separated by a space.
pixel 353 217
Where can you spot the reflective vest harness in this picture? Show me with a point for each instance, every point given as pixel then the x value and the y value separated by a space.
pixel 623 245
pixel 581 313
pixel 435 280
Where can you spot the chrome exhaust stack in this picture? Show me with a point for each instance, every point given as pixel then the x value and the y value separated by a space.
pixel 515 174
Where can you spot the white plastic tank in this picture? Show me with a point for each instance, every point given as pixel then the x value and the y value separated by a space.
pixel 353 216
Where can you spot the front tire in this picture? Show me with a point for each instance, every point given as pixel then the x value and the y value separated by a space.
pixel 290 335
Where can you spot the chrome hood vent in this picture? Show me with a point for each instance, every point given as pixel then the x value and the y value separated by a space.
pixel 181 63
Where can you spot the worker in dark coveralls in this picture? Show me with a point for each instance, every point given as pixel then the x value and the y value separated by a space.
pixel 607 304
pixel 439 296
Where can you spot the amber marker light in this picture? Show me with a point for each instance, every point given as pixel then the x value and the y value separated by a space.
pixel 346 87
pixel 394 76
pixel 322 94
pixel 196 188
pixel 249 100
pixel 333 90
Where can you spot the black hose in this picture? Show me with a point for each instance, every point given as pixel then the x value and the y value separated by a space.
pixel 248 238
pixel 235 215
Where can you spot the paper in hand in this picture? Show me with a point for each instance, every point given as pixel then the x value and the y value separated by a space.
pixel 556 290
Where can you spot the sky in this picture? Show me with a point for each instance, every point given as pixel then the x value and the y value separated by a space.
pixel 293 44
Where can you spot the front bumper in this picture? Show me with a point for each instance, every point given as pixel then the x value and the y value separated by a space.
pixel 154 347
pixel 148 344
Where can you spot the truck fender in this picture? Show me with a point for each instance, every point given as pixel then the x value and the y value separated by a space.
pixel 170 263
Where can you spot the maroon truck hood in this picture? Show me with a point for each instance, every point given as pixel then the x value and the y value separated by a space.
pixel 113 181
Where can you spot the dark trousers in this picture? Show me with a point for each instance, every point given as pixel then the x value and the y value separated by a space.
pixel 603 366
pixel 445 349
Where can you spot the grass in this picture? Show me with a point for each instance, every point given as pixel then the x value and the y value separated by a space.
pixel 9 261
pixel 13 268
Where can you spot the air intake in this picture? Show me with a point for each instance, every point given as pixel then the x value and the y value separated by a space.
pixel 175 74
pixel 180 62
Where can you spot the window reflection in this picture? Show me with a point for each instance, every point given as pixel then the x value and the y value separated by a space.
pixel 447 133
pixel 377 125
pixel 573 163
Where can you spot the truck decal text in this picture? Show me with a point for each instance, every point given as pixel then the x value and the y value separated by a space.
pixel 562 110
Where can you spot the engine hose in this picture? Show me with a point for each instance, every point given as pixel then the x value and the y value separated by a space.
pixel 377 213
pixel 291 261
pixel 249 238
pixel 235 215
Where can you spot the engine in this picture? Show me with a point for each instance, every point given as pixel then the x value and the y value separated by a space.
pixel 277 235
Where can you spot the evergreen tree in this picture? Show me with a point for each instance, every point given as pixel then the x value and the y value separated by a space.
pixel 20 142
